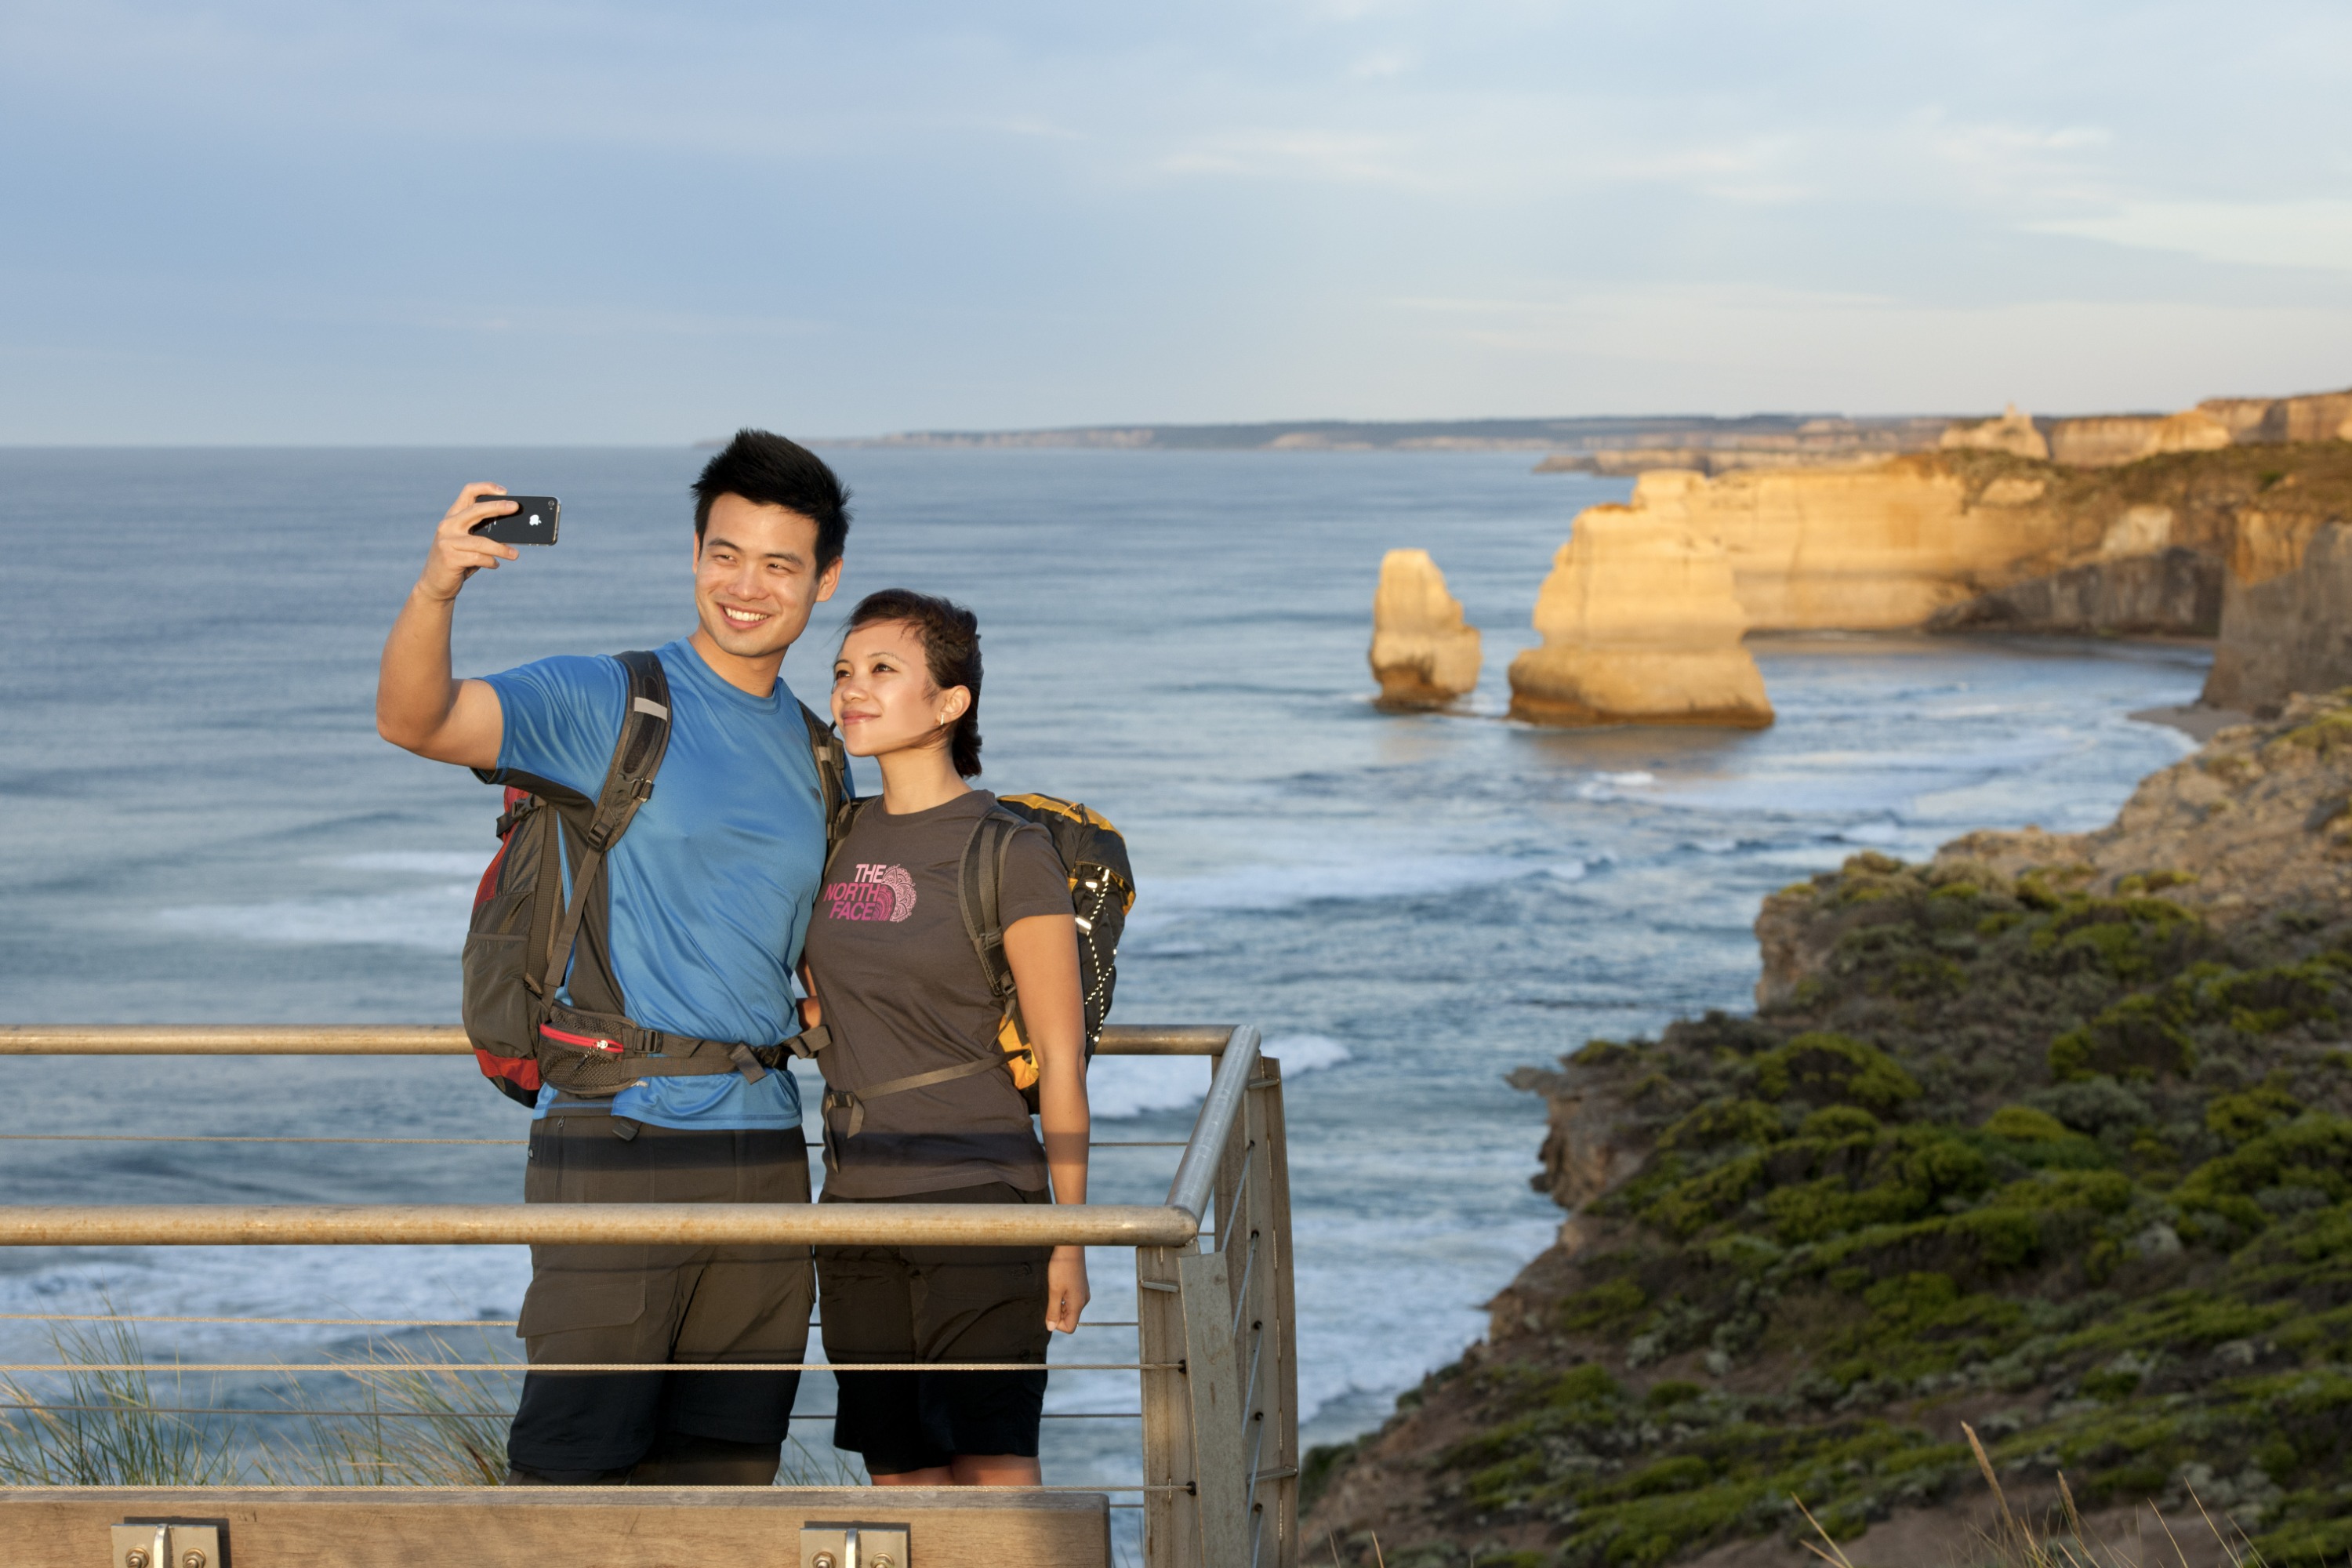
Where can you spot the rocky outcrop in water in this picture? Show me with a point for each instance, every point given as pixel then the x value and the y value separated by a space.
pixel 1640 627
pixel 2050 1137
pixel 1422 654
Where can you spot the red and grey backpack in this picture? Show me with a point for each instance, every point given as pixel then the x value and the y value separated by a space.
pixel 526 936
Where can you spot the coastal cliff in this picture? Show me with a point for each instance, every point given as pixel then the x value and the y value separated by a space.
pixel 1881 545
pixel 1422 654
pixel 2291 629
pixel 1640 627
pixel 2288 600
pixel 1978 538
pixel 2050 1136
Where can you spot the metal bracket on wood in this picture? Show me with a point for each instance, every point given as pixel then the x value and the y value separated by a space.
pixel 853 1546
pixel 169 1544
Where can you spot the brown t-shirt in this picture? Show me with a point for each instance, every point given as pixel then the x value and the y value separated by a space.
pixel 904 993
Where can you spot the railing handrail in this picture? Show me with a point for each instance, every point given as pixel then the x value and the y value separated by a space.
pixel 427 1040
pixel 618 1225
pixel 1196 1172
pixel 1174 1223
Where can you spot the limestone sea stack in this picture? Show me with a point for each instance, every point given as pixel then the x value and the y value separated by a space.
pixel 1640 627
pixel 1422 653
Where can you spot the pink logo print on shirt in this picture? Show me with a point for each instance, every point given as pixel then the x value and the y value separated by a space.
pixel 875 893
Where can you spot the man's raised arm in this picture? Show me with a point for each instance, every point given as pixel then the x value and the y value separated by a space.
pixel 417 704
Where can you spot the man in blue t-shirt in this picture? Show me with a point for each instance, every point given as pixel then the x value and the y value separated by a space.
pixel 708 894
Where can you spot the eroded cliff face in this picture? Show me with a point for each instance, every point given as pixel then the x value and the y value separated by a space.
pixel 2290 629
pixel 2288 599
pixel 2110 440
pixel 1422 654
pixel 1879 545
pixel 1972 538
pixel 1640 627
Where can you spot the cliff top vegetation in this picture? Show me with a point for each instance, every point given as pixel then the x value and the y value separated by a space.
pixel 2056 1150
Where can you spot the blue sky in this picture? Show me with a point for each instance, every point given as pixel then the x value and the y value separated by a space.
pixel 527 221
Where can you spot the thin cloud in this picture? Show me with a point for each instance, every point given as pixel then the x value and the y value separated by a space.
pixel 2316 233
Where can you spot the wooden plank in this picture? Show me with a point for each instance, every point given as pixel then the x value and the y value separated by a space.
pixel 533 1527
pixel 1218 1451
pixel 1281 1380
pixel 1171 1516
pixel 657 1225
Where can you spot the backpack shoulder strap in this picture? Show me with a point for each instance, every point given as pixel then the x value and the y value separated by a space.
pixel 979 893
pixel 832 777
pixel 637 755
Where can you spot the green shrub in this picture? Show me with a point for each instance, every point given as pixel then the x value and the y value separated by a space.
pixel 2023 1124
pixel 1826 1068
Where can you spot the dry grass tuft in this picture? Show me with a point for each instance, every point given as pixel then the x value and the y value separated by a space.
pixel 2013 1543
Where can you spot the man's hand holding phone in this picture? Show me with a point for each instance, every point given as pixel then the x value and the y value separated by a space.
pixel 457 551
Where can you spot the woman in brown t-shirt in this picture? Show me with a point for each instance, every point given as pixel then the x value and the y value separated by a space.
pixel 920 1108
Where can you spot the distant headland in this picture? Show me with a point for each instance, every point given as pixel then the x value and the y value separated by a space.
pixel 1787 433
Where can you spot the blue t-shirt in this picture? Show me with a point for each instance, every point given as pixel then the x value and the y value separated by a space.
pixel 712 885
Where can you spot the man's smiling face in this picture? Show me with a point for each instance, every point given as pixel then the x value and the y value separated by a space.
pixel 756 577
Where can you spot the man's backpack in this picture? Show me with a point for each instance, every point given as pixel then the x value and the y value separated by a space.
pixel 526 937
pixel 1102 891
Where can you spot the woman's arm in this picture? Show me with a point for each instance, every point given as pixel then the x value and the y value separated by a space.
pixel 812 1013
pixel 1043 953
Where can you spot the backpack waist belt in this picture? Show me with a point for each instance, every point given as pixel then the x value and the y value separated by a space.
pixel 853 1102
pixel 613 1052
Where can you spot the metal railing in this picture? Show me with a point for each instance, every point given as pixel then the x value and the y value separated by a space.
pixel 1215 1362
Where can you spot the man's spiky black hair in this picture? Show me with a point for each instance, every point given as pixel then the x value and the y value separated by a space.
pixel 766 468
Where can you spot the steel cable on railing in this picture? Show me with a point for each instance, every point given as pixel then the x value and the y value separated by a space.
pixel 349 1322
pixel 487 1142
pixel 452 1415
pixel 373 1369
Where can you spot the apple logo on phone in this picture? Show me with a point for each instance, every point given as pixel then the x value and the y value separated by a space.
pixel 534 520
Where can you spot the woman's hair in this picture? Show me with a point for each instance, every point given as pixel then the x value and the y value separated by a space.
pixel 951 637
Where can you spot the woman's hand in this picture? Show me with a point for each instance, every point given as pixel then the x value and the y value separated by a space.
pixel 1065 1289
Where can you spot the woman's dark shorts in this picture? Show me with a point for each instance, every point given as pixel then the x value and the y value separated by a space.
pixel 936 1303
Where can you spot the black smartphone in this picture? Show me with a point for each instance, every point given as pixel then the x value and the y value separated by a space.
pixel 533 521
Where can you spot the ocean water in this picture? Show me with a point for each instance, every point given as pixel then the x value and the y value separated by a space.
pixel 201 826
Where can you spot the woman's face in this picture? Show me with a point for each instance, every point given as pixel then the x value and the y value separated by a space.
pixel 883 697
